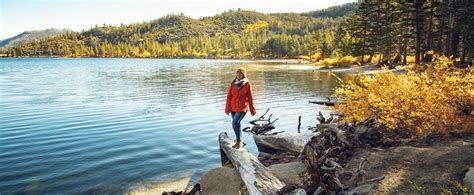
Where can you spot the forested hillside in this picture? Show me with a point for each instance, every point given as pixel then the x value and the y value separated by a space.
pixel 236 33
pixel 390 30
pixel 335 11
pixel 29 36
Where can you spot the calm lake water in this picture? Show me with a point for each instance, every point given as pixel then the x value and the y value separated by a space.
pixel 109 125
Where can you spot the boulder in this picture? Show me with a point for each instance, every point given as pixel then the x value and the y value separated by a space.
pixel 362 189
pixel 222 180
pixel 291 142
pixel 289 173
pixel 298 191
pixel 159 187
pixel 469 179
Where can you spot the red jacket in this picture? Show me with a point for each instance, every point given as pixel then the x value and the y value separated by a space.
pixel 238 100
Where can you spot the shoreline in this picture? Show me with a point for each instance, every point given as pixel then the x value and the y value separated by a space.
pixel 264 61
pixel 180 58
pixel 366 69
pixel 277 63
pixel 390 163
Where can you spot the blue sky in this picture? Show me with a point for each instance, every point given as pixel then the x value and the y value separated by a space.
pixel 25 15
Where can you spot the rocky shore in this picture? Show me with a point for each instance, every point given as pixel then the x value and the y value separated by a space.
pixel 432 165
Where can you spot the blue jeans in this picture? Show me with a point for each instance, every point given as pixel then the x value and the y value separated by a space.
pixel 236 118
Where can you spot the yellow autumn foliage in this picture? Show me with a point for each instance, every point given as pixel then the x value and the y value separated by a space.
pixel 375 58
pixel 342 61
pixel 316 57
pixel 302 57
pixel 257 26
pixel 436 97
pixel 347 60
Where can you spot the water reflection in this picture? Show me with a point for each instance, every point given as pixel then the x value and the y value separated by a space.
pixel 92 125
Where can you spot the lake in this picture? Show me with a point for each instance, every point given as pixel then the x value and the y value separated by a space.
pixel 109 125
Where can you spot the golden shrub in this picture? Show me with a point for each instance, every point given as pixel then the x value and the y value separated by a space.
pixel 430 97
pixel 342 61
pixel 316 57
pixel 328 61
pixel 410 59
pixel 302 57
pixel 347 60
pixel 375 58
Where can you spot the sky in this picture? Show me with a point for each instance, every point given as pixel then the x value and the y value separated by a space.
pixel 18 16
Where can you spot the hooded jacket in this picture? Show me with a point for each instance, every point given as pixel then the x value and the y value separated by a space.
pixel 239 99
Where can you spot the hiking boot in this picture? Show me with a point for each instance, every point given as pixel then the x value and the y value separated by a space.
pixel 238 144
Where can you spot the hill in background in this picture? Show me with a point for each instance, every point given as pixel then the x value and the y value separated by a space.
pixel 236 34
pixel 29 36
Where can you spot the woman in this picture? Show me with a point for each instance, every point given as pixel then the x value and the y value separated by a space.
pixel 239 97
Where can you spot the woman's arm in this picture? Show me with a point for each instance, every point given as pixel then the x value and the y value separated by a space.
pixel 228 100
pixel 250 100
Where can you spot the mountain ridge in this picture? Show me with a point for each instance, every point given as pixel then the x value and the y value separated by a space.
pixel 237 33
pixel 28 36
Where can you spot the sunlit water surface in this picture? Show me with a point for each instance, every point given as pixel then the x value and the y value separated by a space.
pixel 109 125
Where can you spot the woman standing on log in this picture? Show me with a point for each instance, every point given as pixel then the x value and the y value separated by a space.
pixel 239 97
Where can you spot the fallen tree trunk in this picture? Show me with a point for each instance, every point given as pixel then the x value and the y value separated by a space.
pixel 256 176
pixel 328 102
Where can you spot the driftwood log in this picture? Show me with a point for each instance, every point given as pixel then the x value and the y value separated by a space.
pixel 332 146
pixel 327 102
pixel 262 126
pixel 343 136
pixel 281 148
pixel 333 119
pixel 256 176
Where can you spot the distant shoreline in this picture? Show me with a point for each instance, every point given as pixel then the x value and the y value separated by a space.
pixel 279 63
pixel 216 58
pixel 266 60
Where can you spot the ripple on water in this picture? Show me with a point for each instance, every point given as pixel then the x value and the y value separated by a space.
pixel 111 125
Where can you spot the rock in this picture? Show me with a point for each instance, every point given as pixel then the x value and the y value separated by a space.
pixel 298 191
pixel 362 189
pixel 282 142
pixel 365 187
pixel 193 189
pixel 222 180
pixel 160 187
pixel 264 155
pixel 289 173
pixel 468 144
pixel 469 179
